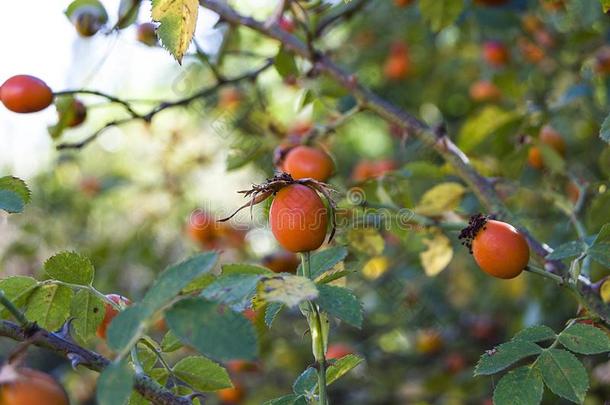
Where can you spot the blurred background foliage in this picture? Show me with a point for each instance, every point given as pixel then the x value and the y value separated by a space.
pixel 126 199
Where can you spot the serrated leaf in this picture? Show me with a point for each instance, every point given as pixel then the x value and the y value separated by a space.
pixel 214 330
pixel 534 334
pixel 177 19
pixel 285 63
pixel 341 367
pixel 341 303
pixel 600 250
pixel 564 374
pixel 505 355
pixel 440 13
pixel 88 311
pixel 49 306
pixel 584 339
pixel 70 267
pixel 306 383
pixel 287 289
pixel 115 384
pixel 440 199
pixel 17 186
pixel 236 290
pixel 271 312
pixel 437 256
pixel 332 275
pixel 170 342
pixel 522 386
pixel 202 374
pixel 175 278
pixel 11 202
pixel 324 260
pixel 17 289
pixel 569 249
pixel 604 132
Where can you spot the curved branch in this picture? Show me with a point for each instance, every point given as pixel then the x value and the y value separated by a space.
pixel 61 345
pixel 108 97
pixel 435 139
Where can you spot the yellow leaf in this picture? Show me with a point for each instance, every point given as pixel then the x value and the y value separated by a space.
pixel 478 127
pixel 177 19
pixel 437 256
pixel 604 291
pixel 287 289
pixel 440 198
pixel 366 240
pixel 375 267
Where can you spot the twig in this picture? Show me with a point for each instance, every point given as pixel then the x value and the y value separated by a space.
pixel 108 97
pixel 346 12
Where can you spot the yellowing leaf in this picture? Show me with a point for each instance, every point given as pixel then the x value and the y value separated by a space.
pixel 438 255
pixel 177 19
pixel 375 268
pixel 484 124
pixel 288 290
pixel 604 291
pixel 366 240
pixel 440 198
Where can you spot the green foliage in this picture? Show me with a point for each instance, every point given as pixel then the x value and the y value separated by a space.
pixel 340 302
pixel 584 339
pixel 285 64
pixel 202 374
pixel 212 329
pixel 522 386
pixel 600 250
pixel 535 334
pixel 236 290
pixel 17 289
pixel 49 305
pixel 115 384
pixel 287 289
pixel 177 19
pixel 440 13
pixel 96 5
pixel 325 260
pixel 14 194
pixel 564 374
pixel 88 311
pixel 70 267
pixel 341 367
pixel 505 355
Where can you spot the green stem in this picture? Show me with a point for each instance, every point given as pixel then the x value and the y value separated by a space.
pixel 317 336
pixel 89 288
pixel 14 310
pixel 544 273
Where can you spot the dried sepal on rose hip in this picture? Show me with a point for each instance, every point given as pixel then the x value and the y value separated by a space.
pixel 298 216
pixel 498 248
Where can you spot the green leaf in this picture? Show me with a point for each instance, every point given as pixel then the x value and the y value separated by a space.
pixel 340 302
pixel 440 13
pixel 170 342
pixel 291 399
pixel 538 333
pixel 115 384
pixel 584 339
pixel 564 374
pixel 17 289
pixel 171 282
pixel 287 289
pixel 49 306
pixel 341 367
pixel 522 386
pixel 127 327
pixel 325 260
pixel 236 290
pixel 88 311
pixel 600 250
pixel 606 8
pixel 11 202
pixel 147 357
pixel 242 268
pixel 214 330
pixel 128 12
pixel 70 267
pixel 17 186
pixel 285 64
pixel 569 249
pixel 96 5
pixel 505 355
pixel 177 19
pixel 604 132
pixel 271 312
pixel 202 374
pixel 306 383
pixel 552 159
pixel 480 126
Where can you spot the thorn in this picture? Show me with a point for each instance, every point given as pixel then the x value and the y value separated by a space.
pixel 76 360
pixel 195 395
pixel 65 332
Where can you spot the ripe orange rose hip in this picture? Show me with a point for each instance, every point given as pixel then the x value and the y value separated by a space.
pixel 298 218
pixel 29 387
pixel 548 136
pixel 338 350
pixel 498 248
pixel 25 94
pixel 111 312
pixel 234 395
pixel 306 162
pixel 495 53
